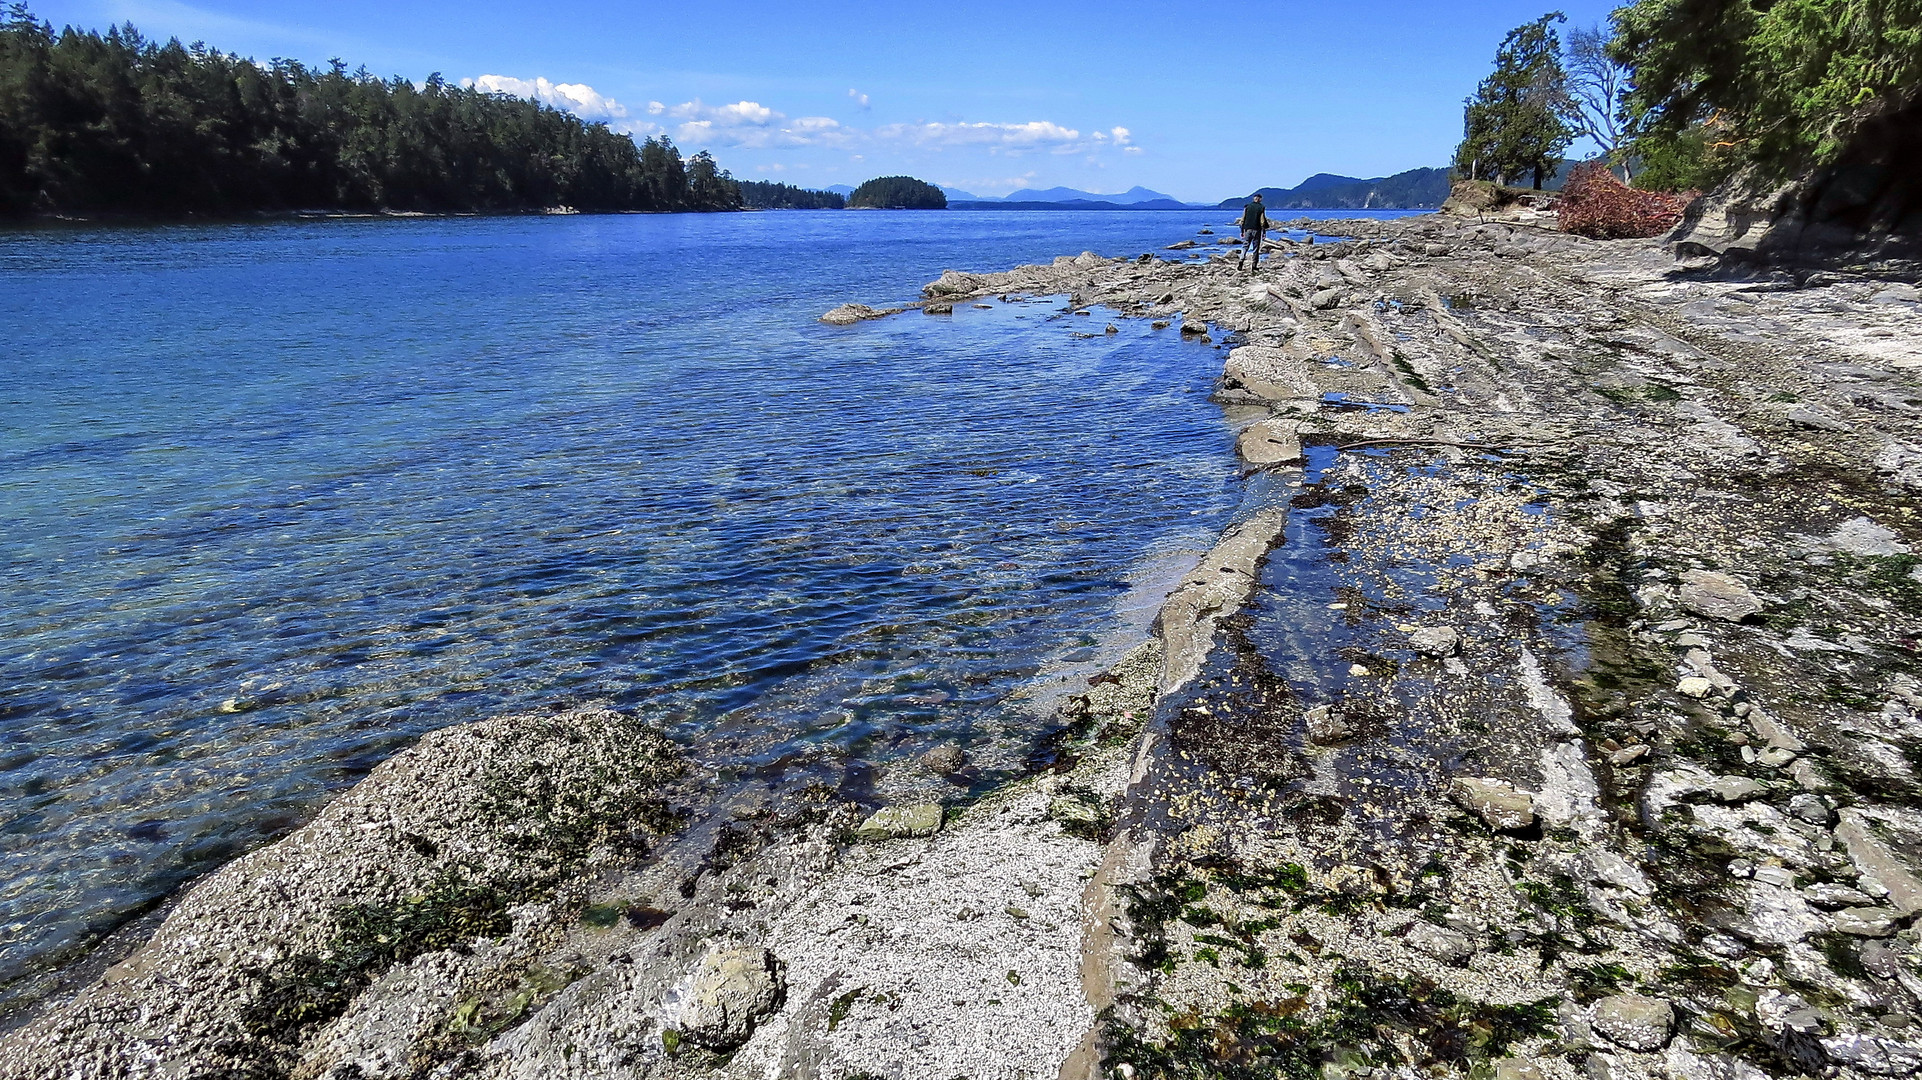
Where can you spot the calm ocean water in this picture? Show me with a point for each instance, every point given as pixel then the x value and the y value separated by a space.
pixel 279 497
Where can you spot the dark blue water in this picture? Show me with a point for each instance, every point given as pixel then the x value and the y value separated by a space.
pixel 278 497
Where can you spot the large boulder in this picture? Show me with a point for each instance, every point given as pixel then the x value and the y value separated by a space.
pixel 1636 1021
pixel 953 283
pixel 718 1003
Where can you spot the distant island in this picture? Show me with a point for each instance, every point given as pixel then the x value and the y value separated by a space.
pixel 762 195
pixel 112 123
pixel 897 193
pixel 1416 189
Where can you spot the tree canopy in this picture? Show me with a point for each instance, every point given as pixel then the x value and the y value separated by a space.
pixel 1515 122
pixel 112 122
pixel 899 193
pixel 1781 84
pixel 763 195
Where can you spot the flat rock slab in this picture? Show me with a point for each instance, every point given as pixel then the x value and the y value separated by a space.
pixel 899 822
pixel 1718 596
pixel 1497 802
pixel 1269 373
pixel 1270 442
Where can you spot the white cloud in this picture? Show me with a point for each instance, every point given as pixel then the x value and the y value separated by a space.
pixel 578 98
pixel 753 125
pixel 1033 135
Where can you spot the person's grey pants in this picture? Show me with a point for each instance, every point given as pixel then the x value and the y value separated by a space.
pixel 1251 242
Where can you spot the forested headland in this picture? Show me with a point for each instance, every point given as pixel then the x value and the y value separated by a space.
pixel 114 123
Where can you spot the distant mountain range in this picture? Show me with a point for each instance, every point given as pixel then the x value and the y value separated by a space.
pixel 1416 189
pixel 1130 197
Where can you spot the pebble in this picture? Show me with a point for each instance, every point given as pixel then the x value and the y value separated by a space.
pixel 945 760
pixel 1830 895
pixel 1448 946
pixel 718 1003
pixel 1515 1068
pixel 1628 755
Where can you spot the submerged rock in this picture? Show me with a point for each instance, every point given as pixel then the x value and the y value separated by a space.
pixel 849 314
pixel 1440 641
pixel 945 760
pixel 1326 726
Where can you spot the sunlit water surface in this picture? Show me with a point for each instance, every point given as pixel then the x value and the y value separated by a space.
pixel 279 497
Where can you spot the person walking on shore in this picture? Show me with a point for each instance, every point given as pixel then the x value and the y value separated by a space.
pixel 1254 224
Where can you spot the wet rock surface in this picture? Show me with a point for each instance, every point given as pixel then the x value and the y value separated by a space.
pixel 1669 512
pixel 1556 712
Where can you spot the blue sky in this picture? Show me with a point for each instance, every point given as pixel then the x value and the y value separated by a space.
pixel 1200 100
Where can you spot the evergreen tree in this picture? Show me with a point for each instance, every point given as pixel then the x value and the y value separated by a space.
pixel 1781 84
pixel 1514 124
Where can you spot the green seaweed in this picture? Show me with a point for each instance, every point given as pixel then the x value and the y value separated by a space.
pixel 1367 1021
pixel 1591 984
pixel 313 988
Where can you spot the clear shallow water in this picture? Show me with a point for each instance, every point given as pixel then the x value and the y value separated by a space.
pixel 279 497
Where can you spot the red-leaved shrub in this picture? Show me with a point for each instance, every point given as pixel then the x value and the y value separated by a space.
pixel 1597 205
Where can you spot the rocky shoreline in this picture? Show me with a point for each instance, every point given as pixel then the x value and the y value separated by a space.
pixel 1555 714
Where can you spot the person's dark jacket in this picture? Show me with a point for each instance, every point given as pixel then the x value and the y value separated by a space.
pixel 1253 217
